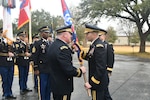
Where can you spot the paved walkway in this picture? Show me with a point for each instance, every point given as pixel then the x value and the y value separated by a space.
pixel 130 80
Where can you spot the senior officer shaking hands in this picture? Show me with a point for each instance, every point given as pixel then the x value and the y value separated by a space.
pixel 60 64
pixel 96 56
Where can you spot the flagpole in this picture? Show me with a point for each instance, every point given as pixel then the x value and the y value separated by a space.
pixel 30 30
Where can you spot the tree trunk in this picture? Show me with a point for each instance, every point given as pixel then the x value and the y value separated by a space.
pixel 142 44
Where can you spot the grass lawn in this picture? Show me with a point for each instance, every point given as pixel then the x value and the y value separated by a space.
pixel 132 51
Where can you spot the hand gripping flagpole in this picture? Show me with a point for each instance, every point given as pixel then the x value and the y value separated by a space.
pixel 79 52
pixel 68 21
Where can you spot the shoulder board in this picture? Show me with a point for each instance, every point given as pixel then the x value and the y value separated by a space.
pixel 99 45
pixel 63 47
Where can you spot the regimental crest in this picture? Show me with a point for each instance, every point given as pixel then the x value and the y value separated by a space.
pixel 43 47
pixel 33 50
pixel 17 45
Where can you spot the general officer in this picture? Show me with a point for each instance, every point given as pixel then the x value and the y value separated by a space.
pixel 6 67
pixel 39 53
pixel 34 38
pixel 109 59
pixel 22 51
pixel 96 56
pixel 60 63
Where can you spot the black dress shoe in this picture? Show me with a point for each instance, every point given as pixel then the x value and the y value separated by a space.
pixel 27 90
pixel 11 97
pixel 22 92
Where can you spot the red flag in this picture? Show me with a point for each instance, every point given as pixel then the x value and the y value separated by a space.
pixel 24 15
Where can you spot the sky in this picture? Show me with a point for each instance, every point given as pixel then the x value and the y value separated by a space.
pixel 54 8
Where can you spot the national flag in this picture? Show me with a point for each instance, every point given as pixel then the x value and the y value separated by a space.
pixel 69 21
pixel 25 13
pixel 7 25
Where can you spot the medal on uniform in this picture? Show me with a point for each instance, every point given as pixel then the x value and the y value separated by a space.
pixel 91 52
pixel 25 57
pixel 43 48
pixel 9 59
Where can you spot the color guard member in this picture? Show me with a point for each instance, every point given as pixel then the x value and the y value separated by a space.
pixel 34 39
pixel 6 67
pixel 22 51
pixel 39 54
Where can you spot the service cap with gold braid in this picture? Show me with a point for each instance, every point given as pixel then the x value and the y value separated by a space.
pixel 45 29
pixel 21 33
pixel 64 29
pixel 92 28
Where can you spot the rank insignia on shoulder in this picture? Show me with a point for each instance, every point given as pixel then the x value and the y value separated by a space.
pixel 99 45
pixel 33 50
pixel 63 47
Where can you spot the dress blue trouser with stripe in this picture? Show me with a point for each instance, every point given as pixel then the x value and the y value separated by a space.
pixel 23 76
pixel 35 81
pixel 45 90
pixel 7 74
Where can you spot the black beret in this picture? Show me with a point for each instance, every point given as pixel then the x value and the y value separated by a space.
pixel 64 29
pixel 21 33
pixel 45 29
pixel 92 28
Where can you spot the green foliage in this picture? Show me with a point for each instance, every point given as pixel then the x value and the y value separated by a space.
pixel 111 35
pixel 80 33
pixel 1 23
pixel 148 38
pixel 39 19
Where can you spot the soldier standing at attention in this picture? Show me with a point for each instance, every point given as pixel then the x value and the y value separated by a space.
pixel 6 67
pixel 22 60
pixel 60 63
pixel 96 56
pixel 109 59
pixel 34 38
pixel 39 54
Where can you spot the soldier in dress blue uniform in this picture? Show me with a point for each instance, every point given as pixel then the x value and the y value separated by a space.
pixel 39 53
pixel 60 65
pixel 34 38
pixel 22 60
pixel 109 59
pixel 6 67
pixel 96 56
